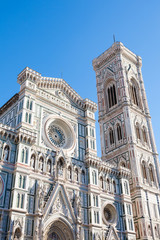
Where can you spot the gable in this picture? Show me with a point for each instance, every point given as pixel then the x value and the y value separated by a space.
pixel 58 202
pixel 112 235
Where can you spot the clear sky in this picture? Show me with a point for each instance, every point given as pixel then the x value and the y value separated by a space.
pixel 60 38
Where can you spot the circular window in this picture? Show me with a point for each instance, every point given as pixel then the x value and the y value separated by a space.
pixel 58 133
pixel 109 214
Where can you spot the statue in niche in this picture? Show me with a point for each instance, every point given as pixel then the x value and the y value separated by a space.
pixel 49 166
pixel 40 195
pixel 77 205
pixel 41 164
pixel 60 167
pixel 33 159
pixel 6 153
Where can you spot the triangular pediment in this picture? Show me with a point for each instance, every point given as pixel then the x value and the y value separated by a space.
pixel 109 73
pixel 112 234
pixel 61 90
pixel 60 154
pixel 58 202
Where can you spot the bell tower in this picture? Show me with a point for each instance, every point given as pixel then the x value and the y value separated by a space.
pixel 126 132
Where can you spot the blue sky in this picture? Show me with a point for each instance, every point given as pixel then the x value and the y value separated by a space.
pixel 61 38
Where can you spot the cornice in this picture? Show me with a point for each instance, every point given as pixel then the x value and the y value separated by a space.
pixel 93 160
pixel 9 103
pixel 44 83
pixel 20 135
pixel 116 48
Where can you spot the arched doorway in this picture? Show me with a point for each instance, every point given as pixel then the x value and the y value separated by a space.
pixel 58 230
pixel 17 234
pixel 54 236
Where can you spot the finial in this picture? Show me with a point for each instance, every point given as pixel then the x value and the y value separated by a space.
pixel 114 38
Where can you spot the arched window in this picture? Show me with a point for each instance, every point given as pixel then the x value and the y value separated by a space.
pixel 20 181
pixel 144 170
pixel 111 136
pixel 30 118
pixel 112 98
pixel 26 155
pixel 108 185
pixel 17 234
pixel 26 117
pixel 122 164
pixel 94 177
pixel 24 182
pixel 22 200
pixel 94 200
pixel 69 173
pixel 76 176
pixel 27 104
pixel 18 200
pixel 114 186
pixel 134 93
pixel 22 155
pixel 83 176
pixel 138 132
pixel 119 132
pixel 151 173
pixel 101 182
pixel 31 105
pixel 144 133
pixel 126 187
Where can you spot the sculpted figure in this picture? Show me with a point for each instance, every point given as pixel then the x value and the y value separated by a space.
pixel 60 168
pixel 49 166
pixel 77 206
pixel 41 164
pixel 33 161
pixel 40 195
pixel 6 153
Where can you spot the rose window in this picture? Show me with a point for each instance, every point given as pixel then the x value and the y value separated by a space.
pixel 109 214
pixel 56 135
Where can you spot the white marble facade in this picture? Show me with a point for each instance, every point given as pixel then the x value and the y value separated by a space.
pixel 52 184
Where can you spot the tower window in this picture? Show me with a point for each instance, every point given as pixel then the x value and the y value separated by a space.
pixel 144 135
pixel 144 170
pixel 134 93
pixel 138 132
pixel 111 136
pixel 112 98
pixel 119 132
pixel 151 173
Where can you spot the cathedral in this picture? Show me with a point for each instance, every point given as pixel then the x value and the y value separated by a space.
pixel 52 184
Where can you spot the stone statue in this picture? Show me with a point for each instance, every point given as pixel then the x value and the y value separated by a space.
pixel 60 168
pixel 41 164
pixel 49 166
pixel 6 153
pixel 33 161
pixel 40 195
pixel 77 206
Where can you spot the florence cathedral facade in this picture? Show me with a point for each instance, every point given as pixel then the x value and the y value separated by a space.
pixel 52 184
